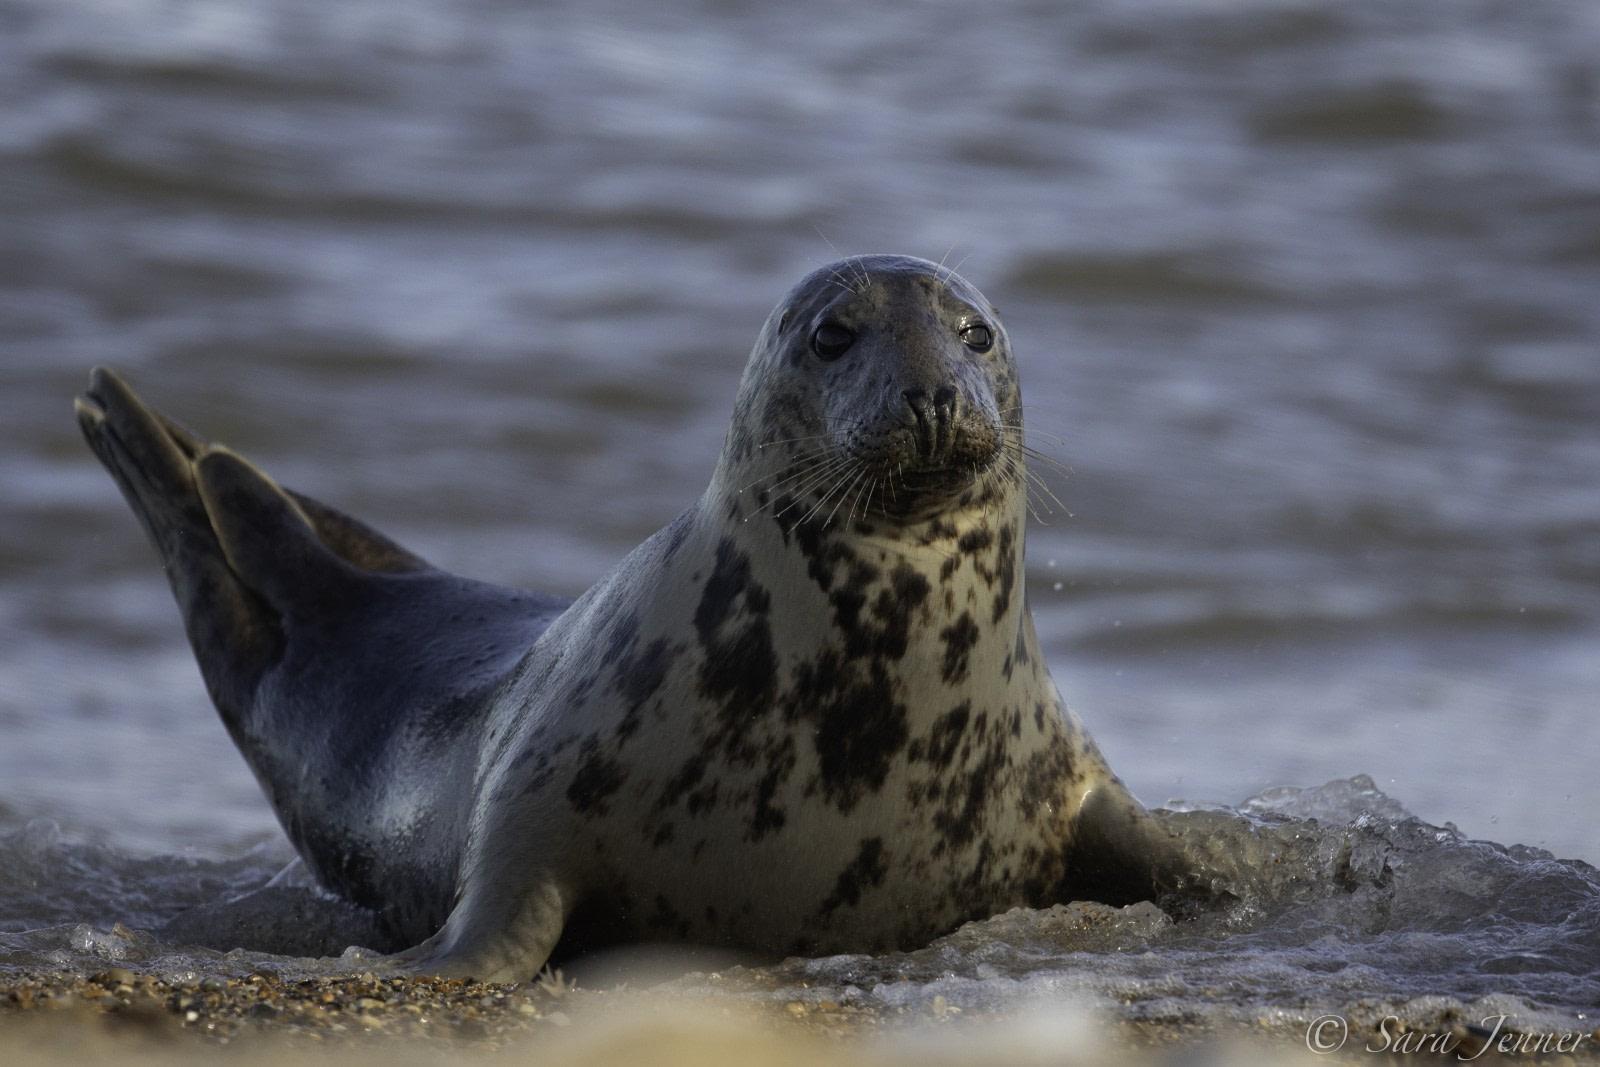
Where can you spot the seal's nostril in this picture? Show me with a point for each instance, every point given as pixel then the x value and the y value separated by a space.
pixel 944 396
pixel 914 397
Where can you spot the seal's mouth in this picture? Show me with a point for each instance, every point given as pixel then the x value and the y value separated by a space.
pixel 920 470
pixel 886 471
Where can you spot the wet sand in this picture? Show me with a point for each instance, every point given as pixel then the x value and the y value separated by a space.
pixel 121 1016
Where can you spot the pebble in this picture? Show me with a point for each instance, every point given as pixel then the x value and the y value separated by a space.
pixel 115 976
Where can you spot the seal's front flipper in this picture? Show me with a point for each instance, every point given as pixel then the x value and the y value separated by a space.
pixel 494 934
pixel 1121 854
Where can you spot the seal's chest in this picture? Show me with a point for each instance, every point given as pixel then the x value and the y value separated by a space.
pixel 773 862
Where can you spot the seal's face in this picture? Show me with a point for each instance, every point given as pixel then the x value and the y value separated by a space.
pixel 882 385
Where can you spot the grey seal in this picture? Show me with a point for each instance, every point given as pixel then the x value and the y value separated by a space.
pixel 809 715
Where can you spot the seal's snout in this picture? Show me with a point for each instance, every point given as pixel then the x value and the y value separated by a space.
pixel 933 419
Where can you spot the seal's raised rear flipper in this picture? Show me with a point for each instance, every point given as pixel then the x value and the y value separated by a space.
pixel 323 644
pixel 235 634
pixel 241 552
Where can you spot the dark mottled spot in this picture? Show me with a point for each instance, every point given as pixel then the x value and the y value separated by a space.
pixel 739 668
pixel 689 775
pixel 1005 572
pixel 886 633
pixel 959 638
pixel 849 598
pixel 865 872
pixel 663 835
pixel 974 541
pixel 858 725
pixel 543 771
pixel 638 675
pixel 768 817
pixel 1044 777
pixel 895 607
pixel 704 799
pixel 938 748
pixel 967 797
pixel 598 776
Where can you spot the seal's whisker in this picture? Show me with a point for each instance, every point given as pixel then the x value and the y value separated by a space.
pixel 1039 493
pixel 770 490
pixel 849 261
pixel 1033 482
pixel 859 475
pixel 789 471
pixel 866 504
pixel 860 271
pixel 1017 409
pixel 1049 461
pixel 1031 431
pixel 1016 476
pixel 1022 449
pixel 1027 492
pixel 841 482
pixel 809 468
pixel 792 440
pixel 1044 488
pixel 823 499
pixel 818 477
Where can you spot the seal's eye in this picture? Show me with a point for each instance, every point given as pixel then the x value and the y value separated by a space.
pixel 977 337
pixel 831 341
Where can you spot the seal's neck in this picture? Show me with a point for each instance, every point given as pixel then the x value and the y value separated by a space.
pixel 936 602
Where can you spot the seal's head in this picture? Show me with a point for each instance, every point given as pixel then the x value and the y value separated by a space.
pixel 882 385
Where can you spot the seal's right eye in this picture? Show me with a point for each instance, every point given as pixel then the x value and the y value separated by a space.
pixel 831 341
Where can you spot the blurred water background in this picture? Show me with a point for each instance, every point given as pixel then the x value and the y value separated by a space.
pixel 1306 295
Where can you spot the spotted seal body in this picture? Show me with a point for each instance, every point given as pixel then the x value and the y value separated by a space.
pixel 809 715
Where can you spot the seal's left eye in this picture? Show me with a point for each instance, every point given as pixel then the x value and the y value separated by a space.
pixel 831 341
pixel 977 337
